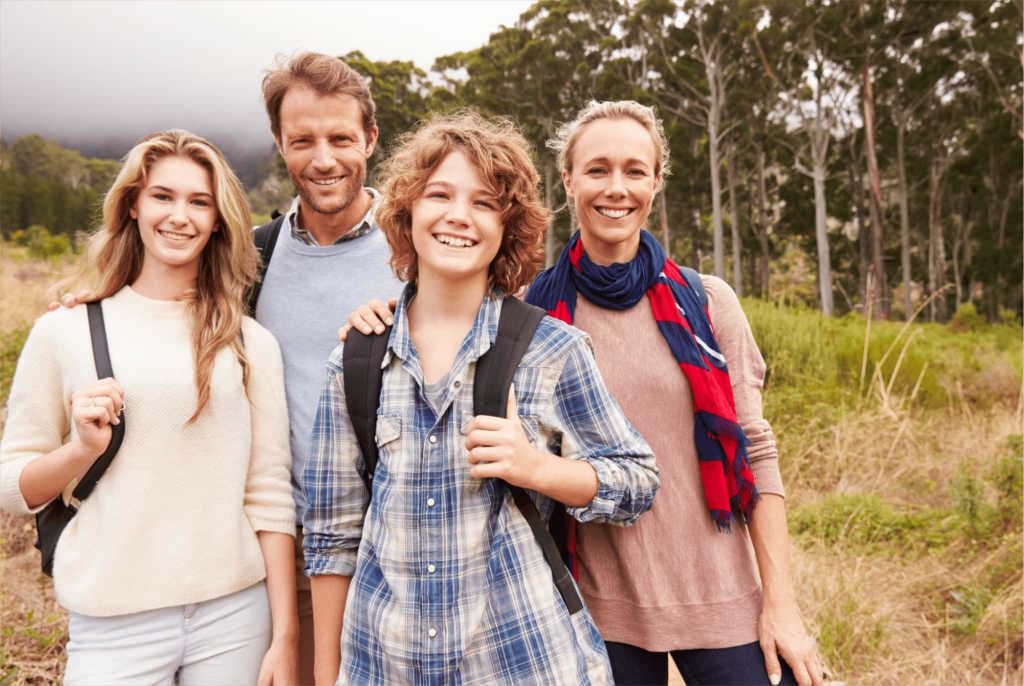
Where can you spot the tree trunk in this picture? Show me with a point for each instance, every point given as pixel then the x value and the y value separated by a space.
pixel 824 263
pixel 734 217
pixel 762 219
pixel 716 194
pixel 549 244
pixel 663 213
pixel 904 218
pixel 875 201
pixel 936 249
pixel 863 237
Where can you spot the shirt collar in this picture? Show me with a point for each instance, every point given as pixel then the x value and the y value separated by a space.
pixel 291 217
pixel 482 335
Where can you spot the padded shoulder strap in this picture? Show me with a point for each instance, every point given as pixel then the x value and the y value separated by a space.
pixel 104 370
pixel 496 367
pixel 494 372
pixel 265 238
pixel 693 278
pixel 362 359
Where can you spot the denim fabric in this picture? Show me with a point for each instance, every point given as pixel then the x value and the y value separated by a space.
pixel 739 666
pixel 449 584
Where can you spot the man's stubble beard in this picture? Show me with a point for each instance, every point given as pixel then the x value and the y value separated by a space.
pixel 303 186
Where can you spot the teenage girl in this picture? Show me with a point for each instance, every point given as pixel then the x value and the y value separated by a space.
pixel 179 566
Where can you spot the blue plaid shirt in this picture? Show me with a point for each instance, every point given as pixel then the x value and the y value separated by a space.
pixel 449 585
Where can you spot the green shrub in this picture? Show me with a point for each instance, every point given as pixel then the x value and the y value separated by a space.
pixel 43 246
pixel 967 319
pixel 11 344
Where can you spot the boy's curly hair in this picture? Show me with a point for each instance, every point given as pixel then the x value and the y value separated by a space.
pixel 502 156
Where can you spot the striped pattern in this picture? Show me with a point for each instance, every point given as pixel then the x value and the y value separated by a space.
pixel 437 551
pixel 685 324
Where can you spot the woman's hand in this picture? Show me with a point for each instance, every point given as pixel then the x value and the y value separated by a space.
pixel 781 632
pixel 93 409
pixel 280 666
pixel 370 317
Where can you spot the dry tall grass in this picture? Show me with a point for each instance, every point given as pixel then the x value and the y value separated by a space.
pixel 885 608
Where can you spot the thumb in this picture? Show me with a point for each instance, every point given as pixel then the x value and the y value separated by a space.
pixel 771 663
pixel 512 413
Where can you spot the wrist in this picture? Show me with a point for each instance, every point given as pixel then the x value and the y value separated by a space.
pixel 82 455
pixel 778 594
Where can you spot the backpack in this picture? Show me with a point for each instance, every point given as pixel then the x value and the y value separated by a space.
pixel 52 519
pixel 362 359
pixel 266 238
pixel 693 278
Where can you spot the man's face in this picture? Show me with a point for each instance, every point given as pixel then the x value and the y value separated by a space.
pixel 324 148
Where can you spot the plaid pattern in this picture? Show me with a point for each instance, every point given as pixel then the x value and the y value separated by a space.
pixel 449 584
pixel 364 227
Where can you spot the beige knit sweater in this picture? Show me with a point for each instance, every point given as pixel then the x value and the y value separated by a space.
pixel 174 519
pixel 672 581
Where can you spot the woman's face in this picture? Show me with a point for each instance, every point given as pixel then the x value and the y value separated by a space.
pixel 456 225
pixel 612 186
pixel 176 214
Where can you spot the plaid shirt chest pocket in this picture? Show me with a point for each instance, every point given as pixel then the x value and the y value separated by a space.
pixel 389 455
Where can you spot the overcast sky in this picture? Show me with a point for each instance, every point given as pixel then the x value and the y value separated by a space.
pixel 84 71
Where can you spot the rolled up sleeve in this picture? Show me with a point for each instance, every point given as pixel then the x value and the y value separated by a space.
pixel 332 482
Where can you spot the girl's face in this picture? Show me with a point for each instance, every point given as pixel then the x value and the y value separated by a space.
pixel 176 214
pixel 612 185
pixel 456 225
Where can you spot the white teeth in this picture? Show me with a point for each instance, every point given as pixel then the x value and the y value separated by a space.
pixel 614 214
pixel 325 182
pixel 174 236
pixel 454 241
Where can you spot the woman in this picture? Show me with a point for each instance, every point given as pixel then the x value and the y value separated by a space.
pixel 688 379
pixel 163 567
pixel 438 577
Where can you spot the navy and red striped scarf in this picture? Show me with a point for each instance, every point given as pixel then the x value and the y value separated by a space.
pixel 684 322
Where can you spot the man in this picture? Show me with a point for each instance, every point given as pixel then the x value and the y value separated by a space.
pixel 330 256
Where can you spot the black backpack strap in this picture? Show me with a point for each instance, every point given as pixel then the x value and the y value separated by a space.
pixel 101 355
pixel 265 238
pixel 693 278
pixel 494 372
pixel 362 359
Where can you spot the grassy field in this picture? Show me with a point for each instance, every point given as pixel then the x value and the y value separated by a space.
pixel 903 471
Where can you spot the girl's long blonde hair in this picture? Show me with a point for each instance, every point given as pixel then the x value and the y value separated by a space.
pixel 227 267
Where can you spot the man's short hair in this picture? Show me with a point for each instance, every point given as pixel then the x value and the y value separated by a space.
pixel 322 74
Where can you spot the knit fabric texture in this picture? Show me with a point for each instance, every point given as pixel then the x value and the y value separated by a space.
pixel 174 519
pixel 671 581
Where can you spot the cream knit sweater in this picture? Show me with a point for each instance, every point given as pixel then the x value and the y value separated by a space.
pixel 174 519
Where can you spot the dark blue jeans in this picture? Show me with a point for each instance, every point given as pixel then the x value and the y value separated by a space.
pixel 739 666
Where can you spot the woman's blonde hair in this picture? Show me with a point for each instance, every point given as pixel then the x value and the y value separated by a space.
pixel 501 154
pixel 568 134
pixel 227 267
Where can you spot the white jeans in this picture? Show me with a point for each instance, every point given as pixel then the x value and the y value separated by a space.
pixel 217 643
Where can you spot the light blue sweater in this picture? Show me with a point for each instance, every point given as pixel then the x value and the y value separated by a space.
pixel 307 294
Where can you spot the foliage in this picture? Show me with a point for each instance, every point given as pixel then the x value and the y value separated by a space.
pixel 43 246
pixel 11 343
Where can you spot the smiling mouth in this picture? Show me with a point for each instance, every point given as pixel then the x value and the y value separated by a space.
pixel 454 241
pixel 615 213
pixel 327 182
pixel 176 237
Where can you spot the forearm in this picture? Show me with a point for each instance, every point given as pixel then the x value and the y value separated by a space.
pixel 329 594
pixel 279 559
pixel 571 482
pixel 45 477
pixel 770 537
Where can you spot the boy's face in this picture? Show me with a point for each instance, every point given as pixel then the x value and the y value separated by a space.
pixel 324 147
pixel 456 225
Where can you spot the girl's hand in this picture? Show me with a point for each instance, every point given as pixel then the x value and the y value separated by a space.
pixel 93 409
pixel 502 444
pixel 280 666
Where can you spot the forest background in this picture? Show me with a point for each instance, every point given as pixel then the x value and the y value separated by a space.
pixel 847 167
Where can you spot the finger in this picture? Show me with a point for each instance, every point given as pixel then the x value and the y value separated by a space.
pixel 814 669
pixel 485 422
pixel 83 295
pixel 53 305
pixel 68 300
pixel 487 453
pixel 343 333
pixel 803 677
pixel 489 470
pixel 512 412
pixel 771 662
pixel 382 311
pixel 91 415
pixel 393 304
pixel 108 404
pixel 482 437
pixel 365 320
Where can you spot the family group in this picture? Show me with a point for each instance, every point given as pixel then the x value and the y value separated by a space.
pixel 270 518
